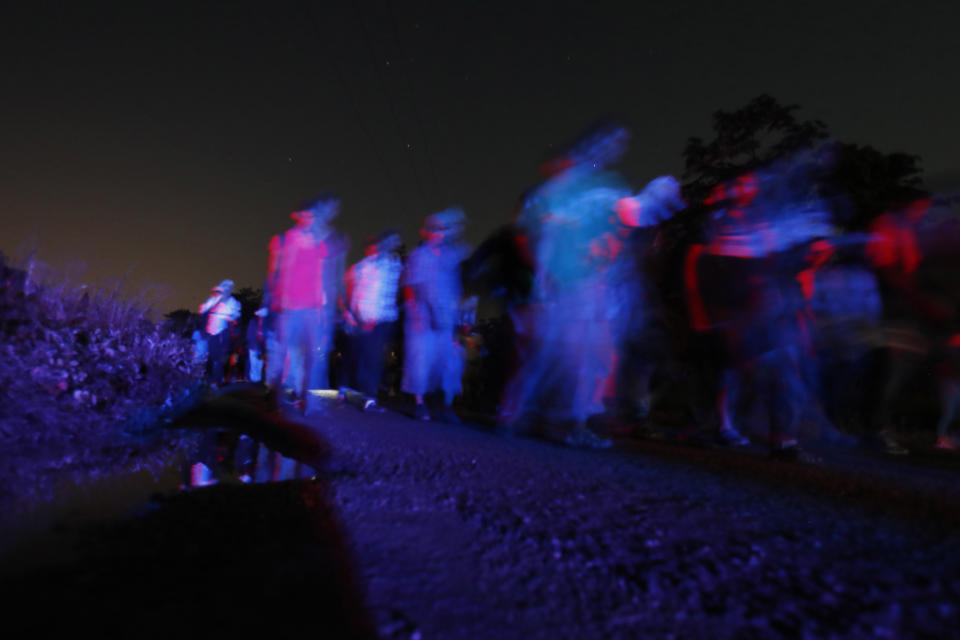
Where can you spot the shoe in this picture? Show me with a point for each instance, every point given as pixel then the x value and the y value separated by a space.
pixel 649 431
pixel 372 406
pixel 891 446
pixel 946 444
pixel 201 475
pixel 421 413
pixel 840 440
pixel 787 450
pixel 587 439
pixel 313 406
pixel 642 408
pixel 790 451
pixel 289 396
pixel 447 415
pixel 732 438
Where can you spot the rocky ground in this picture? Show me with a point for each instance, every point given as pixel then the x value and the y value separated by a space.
pixel 462 534
pixel 429 530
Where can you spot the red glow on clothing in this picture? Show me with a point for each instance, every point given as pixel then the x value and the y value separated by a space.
pixel 745 189
pixel 628 211
pixel 522 243
pixel 818 255
pixel 556 166
pixel 717 194
pixel 893 244
pixel 606 246
pixel 698 311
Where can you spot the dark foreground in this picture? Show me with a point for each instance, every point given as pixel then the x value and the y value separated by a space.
pixel 425 530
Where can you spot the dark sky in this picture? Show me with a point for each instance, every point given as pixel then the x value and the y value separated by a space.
pixel 167 142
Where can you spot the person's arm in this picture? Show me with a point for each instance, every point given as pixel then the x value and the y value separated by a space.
pixel 210 303
pixel 349 284
pixel 235 309
pixel 273 270
pixel 339 275
pixel 410 288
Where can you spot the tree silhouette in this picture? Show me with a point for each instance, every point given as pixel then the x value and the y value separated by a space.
pixel 753 136
pixel 250 300
pixel 874 181
pixel 180 322
pixel 862 181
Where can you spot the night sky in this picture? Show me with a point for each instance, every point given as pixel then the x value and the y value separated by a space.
pixel 166 143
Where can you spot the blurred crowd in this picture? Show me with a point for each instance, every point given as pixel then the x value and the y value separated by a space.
pixel 753 314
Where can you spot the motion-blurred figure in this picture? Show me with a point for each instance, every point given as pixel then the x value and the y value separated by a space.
pixel 433 359
pixel 199 339
pixel 576 225
pixel 372 313
pixel 305 288
pixel 915 318
pixel 743 285
pixel 222 311
pixel 843 316
pixel 913 251
pixel 256 344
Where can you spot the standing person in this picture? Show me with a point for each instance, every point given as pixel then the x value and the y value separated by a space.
pixel 256 342
pixel 433 359
pixel 305 285
pixel 578 224
pixel 222 311
pixel 372 312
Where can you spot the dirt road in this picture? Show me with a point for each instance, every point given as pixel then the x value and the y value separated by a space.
pixel 460 533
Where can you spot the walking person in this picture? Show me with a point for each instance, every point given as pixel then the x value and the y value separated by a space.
pixel 433 359
pixel 372 312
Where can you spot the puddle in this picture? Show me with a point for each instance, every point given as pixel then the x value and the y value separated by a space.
pixel 226 456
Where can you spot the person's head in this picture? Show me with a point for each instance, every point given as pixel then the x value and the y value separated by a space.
pixel 370 247
pixel 304 218
pixel 443 226
pixel 317 211
pixel 327 208
pixel 225 288
pixel 917 209
pixel 744 189
pixel 389 241
pixel 602 145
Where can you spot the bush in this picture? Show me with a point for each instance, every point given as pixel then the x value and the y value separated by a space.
pixel 76 368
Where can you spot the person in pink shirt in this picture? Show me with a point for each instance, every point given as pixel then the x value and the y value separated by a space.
pixel 305 289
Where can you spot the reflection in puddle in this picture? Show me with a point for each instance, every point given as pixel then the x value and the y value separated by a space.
pixel 225 456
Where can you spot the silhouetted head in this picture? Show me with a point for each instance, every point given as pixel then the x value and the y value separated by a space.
pixel 601 145
pixel 390 241
pixel 444 225
pixel 225 287
pixel 322 209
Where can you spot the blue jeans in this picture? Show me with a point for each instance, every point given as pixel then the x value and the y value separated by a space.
pixel 304 337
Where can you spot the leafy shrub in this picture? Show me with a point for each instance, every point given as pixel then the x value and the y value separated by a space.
pixel 77 369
